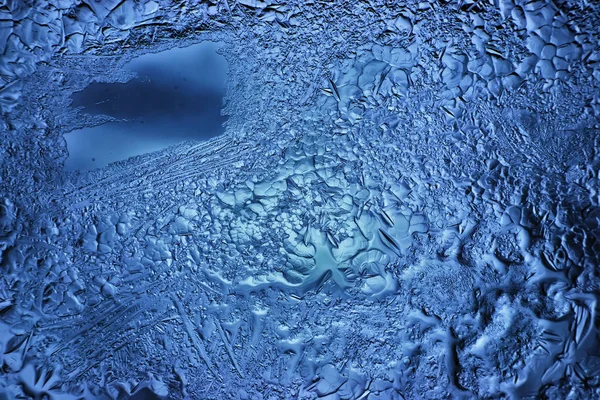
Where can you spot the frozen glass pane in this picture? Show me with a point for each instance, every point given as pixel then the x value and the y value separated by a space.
pixel 351 200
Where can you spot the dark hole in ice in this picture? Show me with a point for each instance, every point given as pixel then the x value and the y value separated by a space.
pixel 144 394
pixel 177 96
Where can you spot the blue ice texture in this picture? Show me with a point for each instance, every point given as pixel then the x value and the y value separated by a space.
pixel 250 199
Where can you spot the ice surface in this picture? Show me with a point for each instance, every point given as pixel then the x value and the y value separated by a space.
pixel 404 204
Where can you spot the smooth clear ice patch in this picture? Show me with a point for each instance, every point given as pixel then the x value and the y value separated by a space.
pixel 177 96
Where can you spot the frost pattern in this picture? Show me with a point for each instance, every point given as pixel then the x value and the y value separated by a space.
pixel 404 205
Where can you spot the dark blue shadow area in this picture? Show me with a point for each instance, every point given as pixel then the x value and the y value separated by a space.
pixel 177 96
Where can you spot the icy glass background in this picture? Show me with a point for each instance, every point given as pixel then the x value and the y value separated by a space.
pixel 403 204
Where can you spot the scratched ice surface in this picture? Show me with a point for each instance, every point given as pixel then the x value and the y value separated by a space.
pixel 404 204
